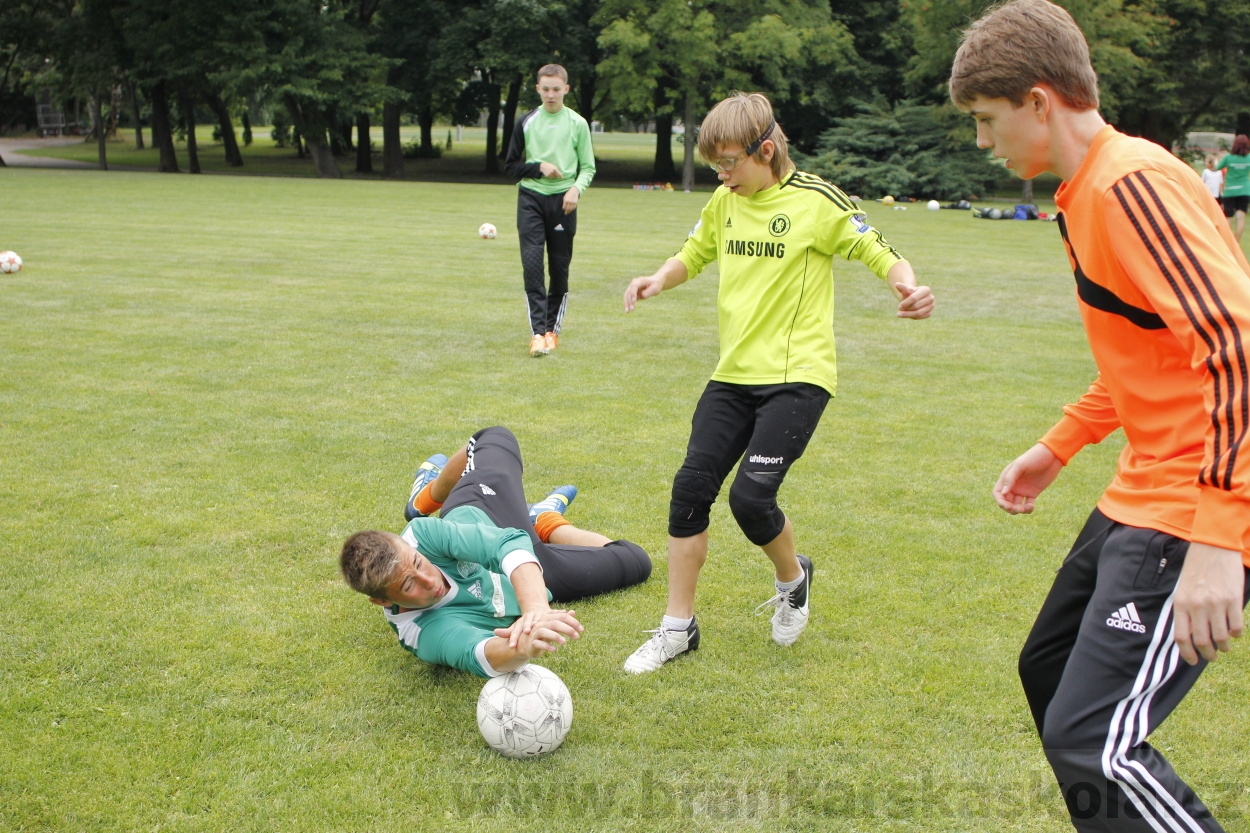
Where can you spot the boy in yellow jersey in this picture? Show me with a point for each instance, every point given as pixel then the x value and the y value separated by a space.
pixel 774 232
pixel 1159 573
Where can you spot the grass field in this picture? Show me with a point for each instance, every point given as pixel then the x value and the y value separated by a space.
pixel 207 383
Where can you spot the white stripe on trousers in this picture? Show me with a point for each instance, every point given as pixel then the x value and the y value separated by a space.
pixel 1133 713
pixel 564 302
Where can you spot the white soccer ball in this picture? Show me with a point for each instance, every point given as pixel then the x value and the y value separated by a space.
pixel 10 262
pixel 933 205
pixel 524 713
pixel 487 231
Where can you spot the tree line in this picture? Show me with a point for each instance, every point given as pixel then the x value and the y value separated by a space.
pixel 838 71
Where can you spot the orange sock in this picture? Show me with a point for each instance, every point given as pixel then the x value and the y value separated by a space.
pixel 547 523
pixel 425 504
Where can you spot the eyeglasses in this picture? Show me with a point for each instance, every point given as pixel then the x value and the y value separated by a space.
pixel 724 166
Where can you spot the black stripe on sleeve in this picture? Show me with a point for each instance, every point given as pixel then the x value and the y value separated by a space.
pixel 1227 324
pixel 814 183
pixel 1123 189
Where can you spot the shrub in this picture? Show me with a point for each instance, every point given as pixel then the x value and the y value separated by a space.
pixel 414 150
pixel 908 150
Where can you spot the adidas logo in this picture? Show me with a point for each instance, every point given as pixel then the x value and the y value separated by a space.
pixel 476 589
pixel 486 490
pixel 559 227
pixel 729 223
pixel 1126 619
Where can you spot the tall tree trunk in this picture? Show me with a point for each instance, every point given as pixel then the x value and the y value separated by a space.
pixel 233 157
pixel 341 136
pixel 246 120
pixel 188 118
pixel 134 108
pixel 425 120
pixel 663 170
pixel 97 116
pixel 492 127
pixel 509 112
pixel 309 123
pixel 586 95
pixel 364 147
pixel 162 129
pixel 323 156
pixel 1026 193
pixel 687 164
pixel 392 149
pixel 115 109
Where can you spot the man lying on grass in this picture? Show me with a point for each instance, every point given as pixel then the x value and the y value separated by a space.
pixel 471 589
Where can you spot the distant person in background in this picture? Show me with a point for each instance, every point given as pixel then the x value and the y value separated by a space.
pixel 1236 167
pixel 1214 180
pixel 550 153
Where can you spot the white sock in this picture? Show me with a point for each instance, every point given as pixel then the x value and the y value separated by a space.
pixel 790 585
pixel 671 624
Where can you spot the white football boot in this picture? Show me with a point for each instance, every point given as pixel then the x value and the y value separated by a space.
pixel 792 608
pixel 663 645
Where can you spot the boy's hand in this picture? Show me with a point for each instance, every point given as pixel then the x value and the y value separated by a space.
pixel 570 200
pixel 642 288
pixel 541 632
pixel 1208 602
pixel 916 301
pixel 1027 477
pixel 549 170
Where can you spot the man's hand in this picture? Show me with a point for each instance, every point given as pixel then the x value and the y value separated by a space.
pixel 549 170
pixel 1027 477
pixel 540 632
pixel 570 200
pixel 1208 606
pixel 641 288
pixel 916 301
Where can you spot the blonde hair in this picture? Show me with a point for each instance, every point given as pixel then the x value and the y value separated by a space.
pixel 743 119
pixel 368 561
pixel 1018 45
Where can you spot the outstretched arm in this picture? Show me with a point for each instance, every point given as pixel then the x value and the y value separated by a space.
pixel 546 636
pixel 1027 477
pixel 539 629
pixel 914 301
pixel 672 273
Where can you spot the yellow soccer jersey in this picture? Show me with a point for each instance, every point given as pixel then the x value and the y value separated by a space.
pixel 776 250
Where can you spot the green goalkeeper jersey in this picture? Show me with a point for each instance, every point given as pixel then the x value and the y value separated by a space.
pixel 476 557
pixel 561 138
pixel 775 250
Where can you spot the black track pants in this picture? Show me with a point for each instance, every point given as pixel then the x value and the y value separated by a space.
pixel 542 225
pixel 492 483
pixel 1100 672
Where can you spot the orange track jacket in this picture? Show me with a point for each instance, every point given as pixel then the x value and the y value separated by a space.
pixel 1164 292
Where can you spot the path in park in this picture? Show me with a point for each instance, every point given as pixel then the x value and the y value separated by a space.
pixel 10 152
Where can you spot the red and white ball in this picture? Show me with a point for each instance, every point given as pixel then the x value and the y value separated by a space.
pixel 487 231
pixel 10 263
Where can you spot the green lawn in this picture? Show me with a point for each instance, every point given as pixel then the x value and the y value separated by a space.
pixel 623 158
pixel 208 382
